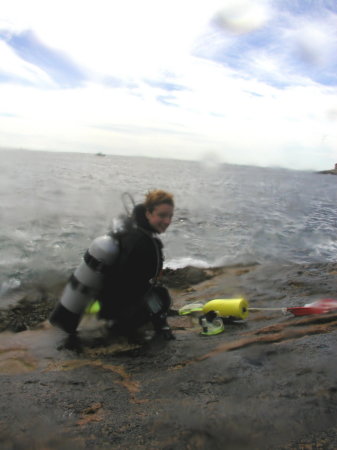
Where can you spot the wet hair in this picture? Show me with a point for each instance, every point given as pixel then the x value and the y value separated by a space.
pixel 157 197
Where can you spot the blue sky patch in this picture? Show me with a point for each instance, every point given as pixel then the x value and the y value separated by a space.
pixel 272 41
pixel 165 85
pixel 58 66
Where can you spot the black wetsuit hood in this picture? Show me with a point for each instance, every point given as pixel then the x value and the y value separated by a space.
pixel 139 218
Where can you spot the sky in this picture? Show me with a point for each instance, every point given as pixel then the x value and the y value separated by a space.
pixel 236 81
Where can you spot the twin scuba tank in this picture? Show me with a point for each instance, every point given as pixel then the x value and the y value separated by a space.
pixel 85 283
pixel 87 280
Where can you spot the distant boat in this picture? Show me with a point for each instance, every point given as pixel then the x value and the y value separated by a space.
pixel 100 154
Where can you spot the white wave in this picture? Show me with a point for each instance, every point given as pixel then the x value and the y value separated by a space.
pixel 179 263
pixel 9 285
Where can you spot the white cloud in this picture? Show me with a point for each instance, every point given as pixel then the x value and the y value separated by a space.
pixel 15 67
pixel 234 113
pixel 242 16
pixel 130 38
pixel 313 41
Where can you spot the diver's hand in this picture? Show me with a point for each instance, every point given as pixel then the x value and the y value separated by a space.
pixel 166 333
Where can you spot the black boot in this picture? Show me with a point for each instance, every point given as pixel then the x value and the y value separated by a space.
pixel 162 328
pixel 71 342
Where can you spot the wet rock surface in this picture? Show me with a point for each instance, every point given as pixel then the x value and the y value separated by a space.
pixel 268 382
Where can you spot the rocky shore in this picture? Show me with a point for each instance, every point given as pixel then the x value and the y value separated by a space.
pixel 266 382
pixel 328 172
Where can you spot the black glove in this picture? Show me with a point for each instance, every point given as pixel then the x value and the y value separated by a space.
pixel 166 333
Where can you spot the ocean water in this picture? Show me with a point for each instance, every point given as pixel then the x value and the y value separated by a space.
pixel 54 204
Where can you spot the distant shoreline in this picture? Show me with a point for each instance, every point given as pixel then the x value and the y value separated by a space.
pixel 328 172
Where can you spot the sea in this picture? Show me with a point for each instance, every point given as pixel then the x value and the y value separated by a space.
pixel 54 204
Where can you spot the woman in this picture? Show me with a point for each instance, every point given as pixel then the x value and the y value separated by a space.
pixel 131 295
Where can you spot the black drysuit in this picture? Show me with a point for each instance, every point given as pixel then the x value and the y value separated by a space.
pixel 130 297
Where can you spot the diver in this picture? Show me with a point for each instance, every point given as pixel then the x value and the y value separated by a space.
pixel 121 271
pixel 132 294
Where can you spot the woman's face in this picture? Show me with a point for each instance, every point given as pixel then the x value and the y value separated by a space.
pixel 161 217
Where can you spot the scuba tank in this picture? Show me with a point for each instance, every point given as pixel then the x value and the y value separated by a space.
pixel 85 283
pixel 87 280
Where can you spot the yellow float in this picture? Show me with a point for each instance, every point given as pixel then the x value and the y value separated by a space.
pixel 227 307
